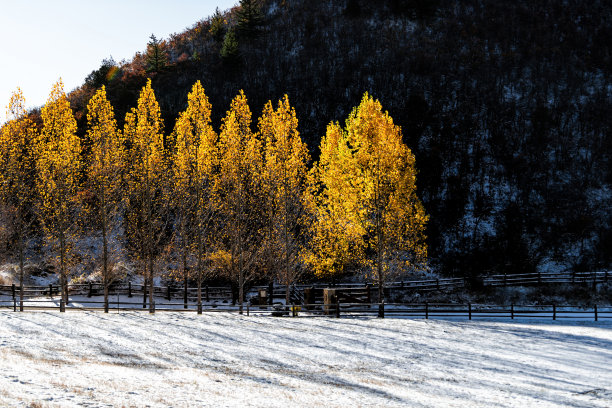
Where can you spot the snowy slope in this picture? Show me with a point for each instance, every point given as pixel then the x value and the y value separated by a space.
pixel 182 359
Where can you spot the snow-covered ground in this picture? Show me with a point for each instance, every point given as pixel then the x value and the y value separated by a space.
pixel 183 360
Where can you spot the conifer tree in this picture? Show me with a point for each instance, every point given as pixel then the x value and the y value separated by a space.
pixel 230 53
pixel 58 167
pixel 104 174
pixel 17 170
pixel 250 18
pixel 284 182
pixel 195 163
pixel 148 178
pixel 238 193
pixel 217 26
pixel 156 55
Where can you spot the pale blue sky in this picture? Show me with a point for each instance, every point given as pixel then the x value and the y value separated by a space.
pixel 43 40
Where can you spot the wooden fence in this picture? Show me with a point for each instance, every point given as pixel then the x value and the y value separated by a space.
pixel 350 310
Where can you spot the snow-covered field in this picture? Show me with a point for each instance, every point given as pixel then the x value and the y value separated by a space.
pixel 214 360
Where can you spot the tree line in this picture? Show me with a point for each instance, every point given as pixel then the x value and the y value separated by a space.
pixel 243 203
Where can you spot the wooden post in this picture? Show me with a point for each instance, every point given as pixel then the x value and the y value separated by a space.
pixel 271 293
pixel 248 308
pixel 512 311
pixel 51 290
pixel 596 313
pixel 207 294
pixel 168 296
pixel 129 289
pixel 14 298
pixel 426 310
pixel 381 310
pixel 90 290
pixel 369 292
pixel 539 278
pixel 505 279
pixel 469 311
pixel 338 308
pixel 554 311
pixel 438 284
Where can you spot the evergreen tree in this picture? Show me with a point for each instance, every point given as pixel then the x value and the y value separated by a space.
pixel 218 26
pixel 250 18
pixel 156 55
pixel 58 168
pixel 230 52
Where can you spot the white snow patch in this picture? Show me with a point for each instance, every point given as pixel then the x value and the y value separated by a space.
pixel 181 360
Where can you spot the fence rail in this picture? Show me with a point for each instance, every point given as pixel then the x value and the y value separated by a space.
pixel 350 310
pixel 221 293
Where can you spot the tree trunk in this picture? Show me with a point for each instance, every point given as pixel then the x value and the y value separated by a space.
pixel 21 270
pixel 185 278
pixel 105 274
pixel 63 278
pixel 151 284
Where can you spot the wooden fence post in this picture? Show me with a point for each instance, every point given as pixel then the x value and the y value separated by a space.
pixel 168 296
pixel 469 311
pixel 338 308
pixel 554 311
pixel 271 293
pixel 505 279
pixel 14 298
pixel 596 313
pixel 90 290
pixel 248 308
pixel 426 310
pixel 51 290
pixel 512 311
pixel 129 289
pixel 606 277
pixel 381 310
pixel 437 284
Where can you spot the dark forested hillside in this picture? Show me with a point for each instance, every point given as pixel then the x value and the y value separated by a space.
pixel 506 106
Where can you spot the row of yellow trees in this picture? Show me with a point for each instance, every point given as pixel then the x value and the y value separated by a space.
pixel 239 201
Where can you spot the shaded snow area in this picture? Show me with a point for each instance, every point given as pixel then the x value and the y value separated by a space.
pixel 218 359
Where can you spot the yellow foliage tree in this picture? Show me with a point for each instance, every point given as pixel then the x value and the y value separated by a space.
pixel 58 167
pixel 284 183
pixel 17 170
pixel 194 166
pixel 334 240
pixel 147 183
pixel 104 174
pixel 381 171
pixel 238 192
pixel 368 189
